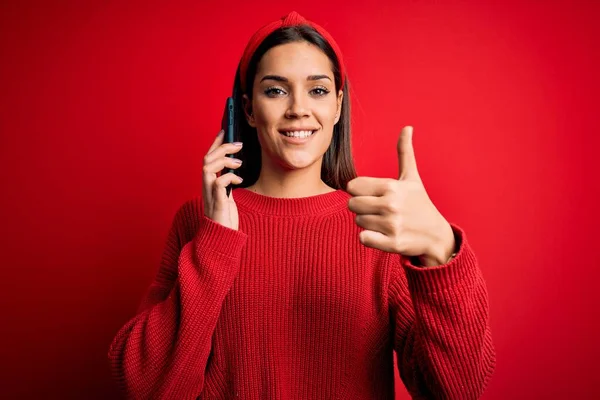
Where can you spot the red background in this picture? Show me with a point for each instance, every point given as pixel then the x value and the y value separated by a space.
pixel 107 109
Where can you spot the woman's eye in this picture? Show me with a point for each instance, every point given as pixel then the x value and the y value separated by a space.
pixel 272 92
pixel 320 91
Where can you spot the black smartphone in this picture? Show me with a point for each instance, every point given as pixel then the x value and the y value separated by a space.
pixel 227 126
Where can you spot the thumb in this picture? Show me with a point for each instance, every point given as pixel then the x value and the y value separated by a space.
pixel 407 163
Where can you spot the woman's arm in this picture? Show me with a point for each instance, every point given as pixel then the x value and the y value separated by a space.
pixel 441 326
pixel 163 351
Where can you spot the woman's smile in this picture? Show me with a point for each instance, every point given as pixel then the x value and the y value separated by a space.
pixel 297 136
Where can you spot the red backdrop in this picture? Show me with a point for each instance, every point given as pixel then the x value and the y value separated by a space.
pixel 107 109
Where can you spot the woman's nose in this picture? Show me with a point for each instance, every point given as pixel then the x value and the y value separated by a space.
pixel 298 107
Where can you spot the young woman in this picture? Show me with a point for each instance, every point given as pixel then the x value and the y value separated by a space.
pixel 302 282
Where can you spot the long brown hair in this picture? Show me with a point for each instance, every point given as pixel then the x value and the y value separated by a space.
pixel 337 168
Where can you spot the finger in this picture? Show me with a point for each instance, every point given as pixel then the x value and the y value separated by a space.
pixel 367 186
pixel 407 162
pixel 221 184
pixel 367 205
pixel 217 165
pixel 374 223
pixel 221 151
pixel 225 180
pixel 377 240
pixel 218 141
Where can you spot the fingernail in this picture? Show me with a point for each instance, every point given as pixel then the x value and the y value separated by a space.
pixel 220 132
pixel 239 144
pixel 237 161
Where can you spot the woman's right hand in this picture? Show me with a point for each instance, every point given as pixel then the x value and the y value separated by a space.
pixel 217 205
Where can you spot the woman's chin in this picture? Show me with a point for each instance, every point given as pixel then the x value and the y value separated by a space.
pixel 297 162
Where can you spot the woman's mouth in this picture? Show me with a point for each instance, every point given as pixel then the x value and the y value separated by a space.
pixel 297 136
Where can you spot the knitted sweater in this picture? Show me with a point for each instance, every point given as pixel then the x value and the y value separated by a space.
pixel 293 306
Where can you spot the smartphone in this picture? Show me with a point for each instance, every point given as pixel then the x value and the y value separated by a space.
pixel 227 126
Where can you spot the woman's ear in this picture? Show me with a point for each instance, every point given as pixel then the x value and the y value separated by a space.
pixel 339 106
pixel 247 106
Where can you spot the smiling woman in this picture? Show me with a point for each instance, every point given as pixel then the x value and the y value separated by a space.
pixel 297 84
pixel 293 110
pixel 270 294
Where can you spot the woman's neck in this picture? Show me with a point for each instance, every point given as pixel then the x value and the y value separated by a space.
pixel 275 181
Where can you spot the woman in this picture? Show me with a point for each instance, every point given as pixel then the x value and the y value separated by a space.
pixel 292 287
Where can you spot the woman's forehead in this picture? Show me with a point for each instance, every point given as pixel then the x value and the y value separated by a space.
pixel 295 60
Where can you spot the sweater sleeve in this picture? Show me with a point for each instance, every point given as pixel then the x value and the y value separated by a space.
pixel 442 335
pixel 162 352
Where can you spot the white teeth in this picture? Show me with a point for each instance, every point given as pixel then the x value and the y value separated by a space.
pixel 299 134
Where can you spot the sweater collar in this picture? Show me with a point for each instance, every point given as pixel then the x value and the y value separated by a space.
pixel 312 205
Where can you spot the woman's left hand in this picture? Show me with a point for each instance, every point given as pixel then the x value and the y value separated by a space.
pixel 398 216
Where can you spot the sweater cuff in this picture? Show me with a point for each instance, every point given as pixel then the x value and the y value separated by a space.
pixel 216 238
pixel 461 270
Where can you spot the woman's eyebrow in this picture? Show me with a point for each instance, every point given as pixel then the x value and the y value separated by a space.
pixel 284 79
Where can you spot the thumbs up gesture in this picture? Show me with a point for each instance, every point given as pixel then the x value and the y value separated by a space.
pixel 397 214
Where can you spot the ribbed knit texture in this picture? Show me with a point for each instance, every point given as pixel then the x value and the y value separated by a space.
pixel 292 306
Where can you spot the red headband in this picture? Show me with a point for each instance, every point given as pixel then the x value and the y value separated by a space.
pixel 292 19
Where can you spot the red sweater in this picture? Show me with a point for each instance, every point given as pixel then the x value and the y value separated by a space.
pixel 292 306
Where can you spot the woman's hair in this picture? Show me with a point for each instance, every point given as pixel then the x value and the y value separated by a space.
pixel 338 166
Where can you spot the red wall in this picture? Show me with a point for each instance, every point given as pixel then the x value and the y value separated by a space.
pixel 106 110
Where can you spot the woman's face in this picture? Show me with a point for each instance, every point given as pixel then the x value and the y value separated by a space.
pixel 294 95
